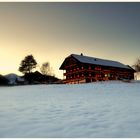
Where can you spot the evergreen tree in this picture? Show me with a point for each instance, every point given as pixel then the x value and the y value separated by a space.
pixel 27 64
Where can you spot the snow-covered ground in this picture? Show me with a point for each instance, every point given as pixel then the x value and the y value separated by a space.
pixel 104 109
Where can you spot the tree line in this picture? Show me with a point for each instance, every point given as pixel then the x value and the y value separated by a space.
pixel 29 63
pixel 46 75
pixel 27 67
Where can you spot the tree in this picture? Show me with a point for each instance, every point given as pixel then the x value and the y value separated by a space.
pixel 46 69
pixel 27 64
pixel 137 65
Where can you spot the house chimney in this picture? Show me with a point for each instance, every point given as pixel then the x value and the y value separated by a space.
pixel 81 54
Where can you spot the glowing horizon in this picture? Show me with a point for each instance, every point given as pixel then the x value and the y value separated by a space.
pixel 52 31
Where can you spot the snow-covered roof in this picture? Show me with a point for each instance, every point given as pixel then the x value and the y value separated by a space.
pixel 98 61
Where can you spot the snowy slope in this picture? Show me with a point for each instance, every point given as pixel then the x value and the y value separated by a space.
pixel 105 109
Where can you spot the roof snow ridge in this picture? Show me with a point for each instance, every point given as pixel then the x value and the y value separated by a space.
pixel 100 61
pixel 95 58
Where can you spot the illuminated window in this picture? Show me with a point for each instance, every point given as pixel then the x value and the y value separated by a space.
pixel 98 75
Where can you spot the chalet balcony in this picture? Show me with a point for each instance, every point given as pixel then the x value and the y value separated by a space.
pixel 73 72
pixel 79 71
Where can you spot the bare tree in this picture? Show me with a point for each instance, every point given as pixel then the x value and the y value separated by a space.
pixel 46 69
pixel 137 65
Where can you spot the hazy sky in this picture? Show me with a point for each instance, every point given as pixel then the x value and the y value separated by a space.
pixel 52 31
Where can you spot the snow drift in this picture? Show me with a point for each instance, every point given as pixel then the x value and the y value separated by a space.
pixel 104 109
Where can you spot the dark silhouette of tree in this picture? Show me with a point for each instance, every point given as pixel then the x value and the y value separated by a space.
pixel 39 78
pixel 137 65
pixel 46 69
pixel 27 64
pixel 3 80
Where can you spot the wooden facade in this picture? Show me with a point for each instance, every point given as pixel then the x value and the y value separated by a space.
pixel 84 69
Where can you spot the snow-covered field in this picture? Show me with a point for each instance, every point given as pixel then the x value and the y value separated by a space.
pixel 104 109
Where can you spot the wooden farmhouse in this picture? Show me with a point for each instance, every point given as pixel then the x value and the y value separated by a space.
pixel 85 69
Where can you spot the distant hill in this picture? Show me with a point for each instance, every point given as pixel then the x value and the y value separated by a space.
pixel 14 79
pixel 29 78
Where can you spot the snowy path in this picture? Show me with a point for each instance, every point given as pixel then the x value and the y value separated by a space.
pixel 89 110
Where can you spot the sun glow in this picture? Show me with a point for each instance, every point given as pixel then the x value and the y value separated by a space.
pixel 52 31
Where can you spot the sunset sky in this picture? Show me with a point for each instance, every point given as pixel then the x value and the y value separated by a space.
pixel 52 31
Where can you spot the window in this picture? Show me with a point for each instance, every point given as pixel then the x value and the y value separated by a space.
pixel 97 68
pixel 107 75
pixel 98 75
